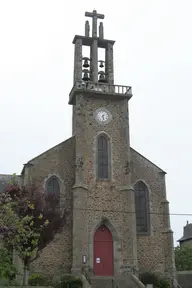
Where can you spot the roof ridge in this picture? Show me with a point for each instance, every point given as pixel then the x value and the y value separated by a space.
pixel 28 162
pixel 149 161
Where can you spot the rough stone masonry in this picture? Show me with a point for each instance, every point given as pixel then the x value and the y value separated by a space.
pixel 104 184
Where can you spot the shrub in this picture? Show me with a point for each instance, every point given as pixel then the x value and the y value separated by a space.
pixel 68 281
pixel 8 283
pixel 7 269
pixel 183 257
pixel 37 280
pixel 151 278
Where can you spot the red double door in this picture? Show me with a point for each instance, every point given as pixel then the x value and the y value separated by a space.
pixel 103 252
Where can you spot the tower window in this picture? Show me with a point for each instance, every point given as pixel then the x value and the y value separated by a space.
pixel 142 208
pixel 103 157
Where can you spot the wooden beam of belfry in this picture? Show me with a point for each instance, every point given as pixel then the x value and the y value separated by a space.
pixel 94 17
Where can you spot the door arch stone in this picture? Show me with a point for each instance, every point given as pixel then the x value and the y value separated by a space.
pixel 116 244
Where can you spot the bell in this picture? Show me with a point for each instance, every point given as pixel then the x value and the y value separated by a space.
pixel 101 64
pixel 102 78
pixel 86 63
pixel 86 76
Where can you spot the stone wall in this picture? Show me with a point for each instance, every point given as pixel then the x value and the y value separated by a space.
pixel 155 251
pixel 99 201
pixel 91 202
pixel 184 279
pixel 87 131
pixel 186 242
pixel 59 161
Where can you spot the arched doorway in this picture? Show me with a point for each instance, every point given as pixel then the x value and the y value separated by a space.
pixel 103 252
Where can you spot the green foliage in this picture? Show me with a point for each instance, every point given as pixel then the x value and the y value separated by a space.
pixel 165 283
pixel 151 278
pixel 183 257
pixel 8 283
pixel 37 280
pixel 21 224
pixel 24 222
pixel 8 218
pixel 7 269
pixel 27 237
pixel 68 281
pixel 28 221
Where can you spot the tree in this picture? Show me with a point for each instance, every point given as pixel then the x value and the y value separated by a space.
pixel 28 221
pixel 21 226
pixel 183 257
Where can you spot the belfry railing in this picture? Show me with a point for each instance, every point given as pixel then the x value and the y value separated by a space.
pixel 101 88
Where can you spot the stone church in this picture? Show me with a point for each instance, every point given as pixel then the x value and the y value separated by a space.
pixel 118 214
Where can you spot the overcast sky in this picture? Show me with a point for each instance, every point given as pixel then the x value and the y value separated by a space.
pixel 153 54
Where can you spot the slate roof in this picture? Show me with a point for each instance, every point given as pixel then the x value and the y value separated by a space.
pixel 187 233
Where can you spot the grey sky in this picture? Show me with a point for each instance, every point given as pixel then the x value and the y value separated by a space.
pixel 152 54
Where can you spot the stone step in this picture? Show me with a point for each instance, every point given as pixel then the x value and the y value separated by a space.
pixel 101 282
pixel 113 282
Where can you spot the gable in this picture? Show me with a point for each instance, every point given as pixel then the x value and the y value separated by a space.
pixel 65 145
pixel 136 157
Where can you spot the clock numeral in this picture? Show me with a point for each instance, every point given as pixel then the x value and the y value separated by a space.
pixel 102 116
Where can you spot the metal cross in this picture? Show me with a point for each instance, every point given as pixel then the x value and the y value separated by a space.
pixel 95 16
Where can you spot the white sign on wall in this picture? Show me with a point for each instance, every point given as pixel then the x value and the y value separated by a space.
pixel 97 260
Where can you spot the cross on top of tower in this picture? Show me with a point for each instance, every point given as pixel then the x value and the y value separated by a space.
pixel 94 17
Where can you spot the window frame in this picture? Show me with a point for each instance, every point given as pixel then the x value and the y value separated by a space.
pixel 54 178
pixel 98 177
pixel 146 209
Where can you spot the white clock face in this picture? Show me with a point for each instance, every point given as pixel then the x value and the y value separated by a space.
pixel 102 116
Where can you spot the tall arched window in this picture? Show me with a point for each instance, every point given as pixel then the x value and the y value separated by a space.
pixel 103 157
pixel 142 208
pixel 53 190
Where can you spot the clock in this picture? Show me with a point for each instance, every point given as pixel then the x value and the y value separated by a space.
pixel 103 116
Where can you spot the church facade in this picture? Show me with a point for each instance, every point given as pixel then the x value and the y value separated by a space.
pixel 117 210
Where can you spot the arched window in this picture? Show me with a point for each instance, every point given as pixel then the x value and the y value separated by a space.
pixel 103 157
pixel 53 190
pixel 142 208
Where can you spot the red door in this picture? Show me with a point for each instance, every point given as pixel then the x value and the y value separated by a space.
pixel 103 252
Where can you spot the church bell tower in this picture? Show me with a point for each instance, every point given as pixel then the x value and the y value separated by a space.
pixel 103 199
